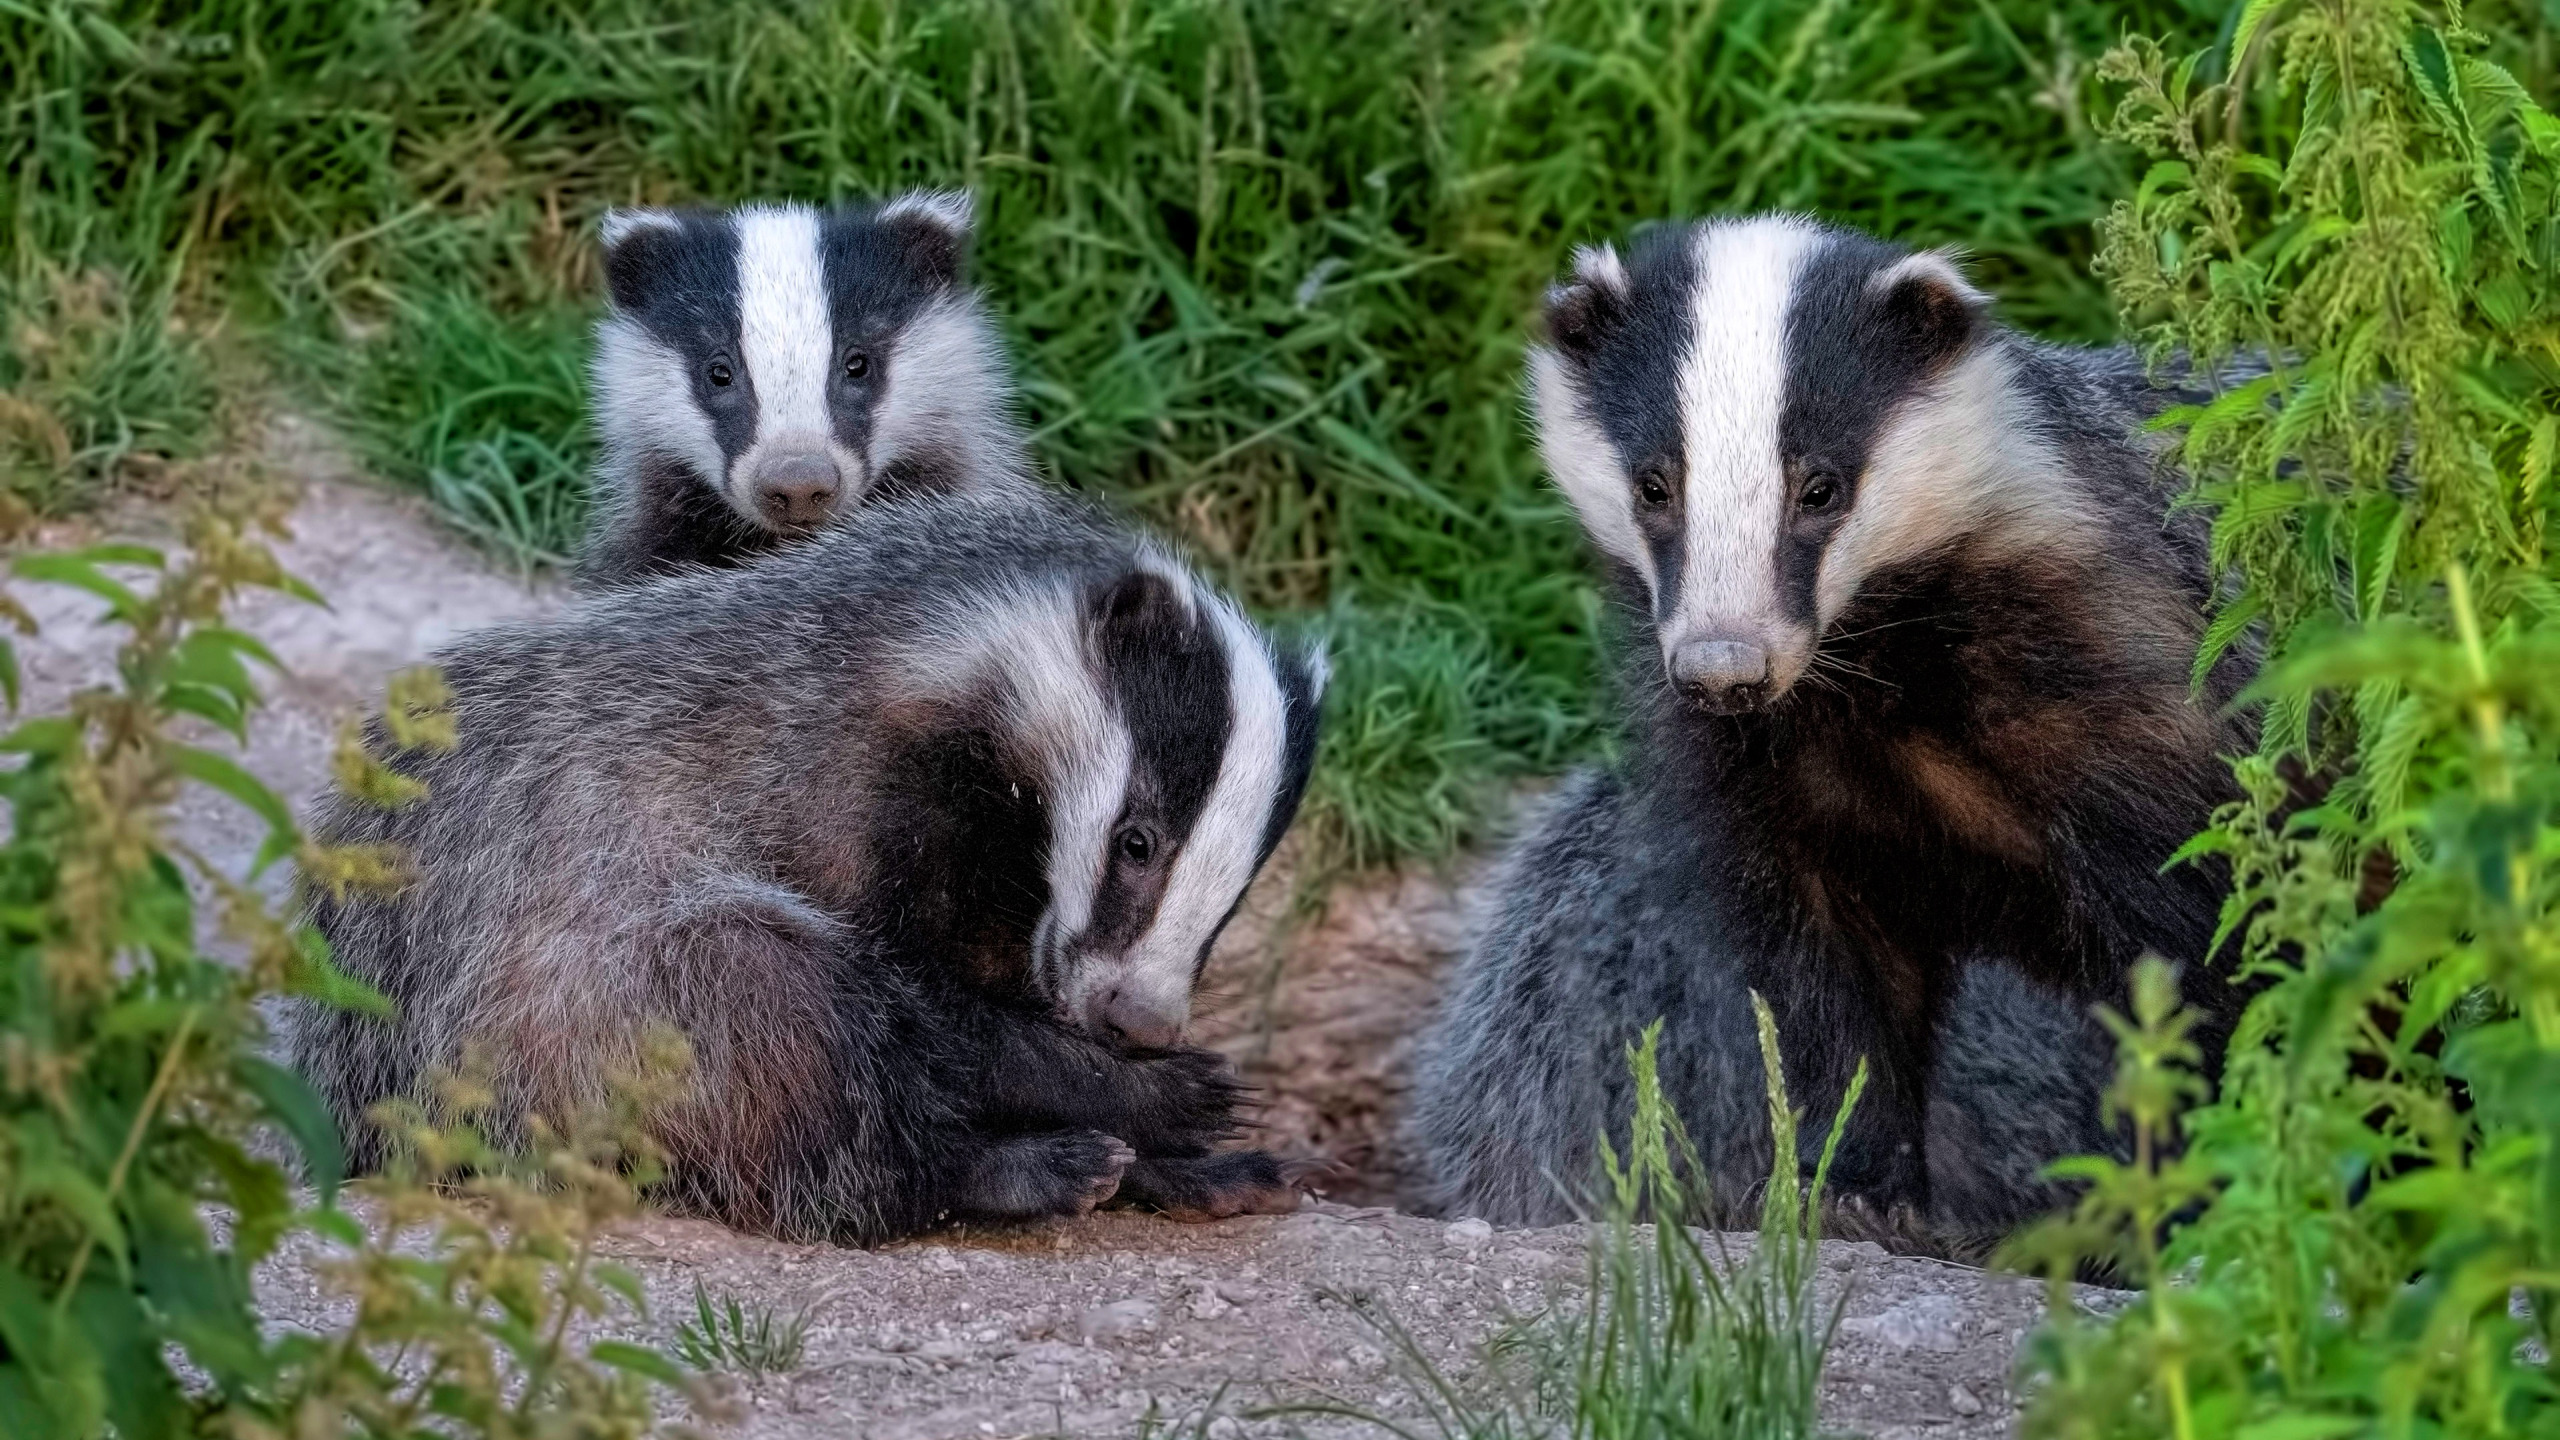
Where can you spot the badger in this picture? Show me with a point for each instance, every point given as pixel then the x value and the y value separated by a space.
pixel 761 371
pixel 1911 620
pixel 925 876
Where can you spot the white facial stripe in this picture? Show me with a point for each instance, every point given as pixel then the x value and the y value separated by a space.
pixel 1732 393
pixel 947 388
pixel 1585 466
pixel 1963 459
pixel 644 399
pixel 1217 859
pixel 788 339
pixel 1035 640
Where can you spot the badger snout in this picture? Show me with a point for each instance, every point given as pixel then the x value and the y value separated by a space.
pixel 1128 1017
pixel 1722 676
pixel 796 489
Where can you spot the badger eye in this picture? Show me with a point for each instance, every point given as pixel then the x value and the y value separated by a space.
pixel 1820 493
pixel 1137 845
pixel 720 373
pixel 1652 486
pixel 856 365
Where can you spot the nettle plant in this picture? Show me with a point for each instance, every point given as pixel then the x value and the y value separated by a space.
pixel 2350 219
pixel 136 1195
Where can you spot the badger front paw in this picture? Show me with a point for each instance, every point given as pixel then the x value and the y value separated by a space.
pixel 1186 1105
pixel 1213 1187
pixel 1030 1177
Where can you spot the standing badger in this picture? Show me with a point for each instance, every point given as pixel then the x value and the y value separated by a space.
pixel 1913 721
pixel 925 875
pixel 764 370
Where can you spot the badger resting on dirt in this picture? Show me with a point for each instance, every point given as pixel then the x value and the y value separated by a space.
pixel 1911 726
pixel 925 875
pixel 763 371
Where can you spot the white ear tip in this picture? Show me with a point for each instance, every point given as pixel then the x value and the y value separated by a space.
pixel 1319 663
pixel 953 210
pixel 1941 267
pixel 620 225
pixel 1600 265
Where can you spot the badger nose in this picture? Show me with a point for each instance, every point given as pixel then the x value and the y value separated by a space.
pixel 797 489
pixel 1134 1022
pixel 1725 676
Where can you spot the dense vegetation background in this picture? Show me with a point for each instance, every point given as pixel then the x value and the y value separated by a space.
pixel 1267 267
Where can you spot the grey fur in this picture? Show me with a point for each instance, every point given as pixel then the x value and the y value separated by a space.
pixel 821 855
pixel 1932 838
pixel 1525 1067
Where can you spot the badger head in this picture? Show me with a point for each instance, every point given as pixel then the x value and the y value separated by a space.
pixel 794 360
pixel 1756 419
pixel 1169 742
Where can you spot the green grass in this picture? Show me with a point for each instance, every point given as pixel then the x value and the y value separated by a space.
pixel 742 1338
pixel 1268 268
pixel 1675 1336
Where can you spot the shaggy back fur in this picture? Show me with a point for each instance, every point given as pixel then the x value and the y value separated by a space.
pixel 926 869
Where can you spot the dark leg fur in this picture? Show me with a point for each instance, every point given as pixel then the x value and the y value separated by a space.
pixel 1211 1187
pixel 1032 1177
pixel 1036 1074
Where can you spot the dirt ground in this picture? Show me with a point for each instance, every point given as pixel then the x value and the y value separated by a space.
pixel 1082 1328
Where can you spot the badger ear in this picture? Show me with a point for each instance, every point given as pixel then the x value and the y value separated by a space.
pixel 1319 667
pixel 1141 601
pixel 1929 304
pixel 636 244
pixel 932 228
pixel 1583 310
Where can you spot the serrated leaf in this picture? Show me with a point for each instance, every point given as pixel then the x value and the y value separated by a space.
pixel 2245 33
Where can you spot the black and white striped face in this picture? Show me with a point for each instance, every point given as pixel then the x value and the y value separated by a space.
pixel 1176 742
pixel 796 360
pixel 1756 417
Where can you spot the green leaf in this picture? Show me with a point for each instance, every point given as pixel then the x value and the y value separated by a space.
pixel 50 735
pixel 298 1109
pixel 226 775
pixel 318 978
pixel 2380 522
pixel 2252 16
pixel 80 574
pixel 2302 1427
pixel 206 703
pixel 54 1176
pixel 639 1360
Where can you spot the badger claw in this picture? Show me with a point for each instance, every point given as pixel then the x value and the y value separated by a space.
pixel 1212 1187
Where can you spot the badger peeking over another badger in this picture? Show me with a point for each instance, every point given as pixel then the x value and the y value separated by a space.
pixel 1911 706
pixel 925 876
pixel 764 370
